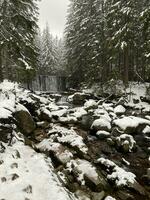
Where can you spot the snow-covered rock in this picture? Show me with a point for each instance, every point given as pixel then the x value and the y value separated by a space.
pixel 68 136
pixel 78 98
pixel 126 142
pixel 78 112
pixel 101 124
pixel 85 171
pixel 103 134
pixel 119 110
pixel 131 124
pixel 44 114
pixel 60 152
pixel 117 174
pixel 109 198
pixel 90 104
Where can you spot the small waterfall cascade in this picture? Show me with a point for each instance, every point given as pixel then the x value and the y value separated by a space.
pixel 48 83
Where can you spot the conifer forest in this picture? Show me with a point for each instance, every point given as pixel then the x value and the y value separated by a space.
pixel 74 103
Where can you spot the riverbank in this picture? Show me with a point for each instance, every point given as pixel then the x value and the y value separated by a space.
pixel 86 146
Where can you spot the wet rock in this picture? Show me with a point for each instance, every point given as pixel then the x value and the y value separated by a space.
pixel 98 195
pixel 39 134
pixel 138 188
pixel 25 122
pixel 78 98
pixel 124 195
pixel 102 135
pixel 44 114
pixel 5 132
pixel 43 125
pixel 82 195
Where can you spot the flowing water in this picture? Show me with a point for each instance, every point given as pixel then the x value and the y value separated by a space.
pixel 48 83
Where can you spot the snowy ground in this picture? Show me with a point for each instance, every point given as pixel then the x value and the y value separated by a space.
pixel 112 149
pixel 27 175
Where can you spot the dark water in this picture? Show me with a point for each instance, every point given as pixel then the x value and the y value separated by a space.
pixel 48 83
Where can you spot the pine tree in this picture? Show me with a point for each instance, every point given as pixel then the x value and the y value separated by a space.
pixel 49 54
pixel 18 24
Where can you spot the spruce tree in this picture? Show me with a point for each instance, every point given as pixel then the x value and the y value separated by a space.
pixel 18 24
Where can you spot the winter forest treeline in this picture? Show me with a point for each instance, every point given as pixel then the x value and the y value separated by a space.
pixel 108 39
pixel 103 39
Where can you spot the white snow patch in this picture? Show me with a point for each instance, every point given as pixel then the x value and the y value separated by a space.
pixel 130 121
pixel 35 175
pixel 119 175
pixel 84 168
pixel 119 109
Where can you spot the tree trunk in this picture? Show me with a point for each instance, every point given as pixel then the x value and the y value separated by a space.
pixel 1 65
pixel 126 66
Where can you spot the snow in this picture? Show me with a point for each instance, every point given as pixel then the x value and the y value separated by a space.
pixel 101 112
pixel 68 119
pixel 68 136
pixel 35 177
pixel 146 130
pixel 6 86
pixel 130 121
pixel 119 109
pixel 119 175
pixel 84 168
pixel 109 198
pixel 48 145
pixel 59 113
pixel 90 104
pixel 20 107
pixel 103 133
pixel 101 124
pixel 79 112
pixel 4 113
pixel 125 138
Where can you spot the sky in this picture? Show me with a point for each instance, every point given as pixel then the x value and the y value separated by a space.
pixel 54 13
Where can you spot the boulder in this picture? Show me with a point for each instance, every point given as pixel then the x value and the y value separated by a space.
pixel 126 143
pixel 78 98
pixel 102 135
pixel 119 110
pixel 131 124
pixel 25 121
pixel 5 132
pixel 90 104
pixel 101 124
pixel 44 114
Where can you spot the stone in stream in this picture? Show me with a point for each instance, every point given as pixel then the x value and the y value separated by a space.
pixel 101 124
pixel 25 122
pixel 78 98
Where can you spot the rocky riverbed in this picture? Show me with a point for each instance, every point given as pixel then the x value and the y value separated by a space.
pixel 88 148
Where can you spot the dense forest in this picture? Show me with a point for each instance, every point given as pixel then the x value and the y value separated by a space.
pixel 75 111
pixel 108 39
pixel 103 40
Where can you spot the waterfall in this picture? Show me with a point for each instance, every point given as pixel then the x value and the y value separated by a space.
pixel 48 83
